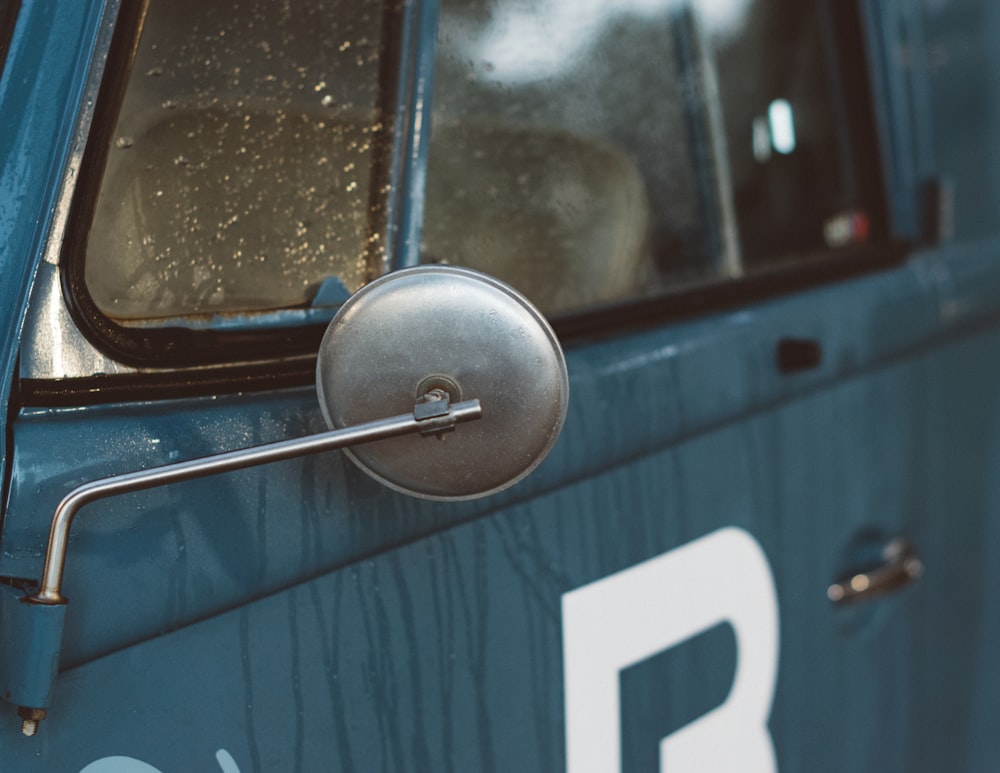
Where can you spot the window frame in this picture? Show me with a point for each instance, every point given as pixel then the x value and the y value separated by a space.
pixel 888 245
pixel 175 360
pixel 9 12
pixel 172 347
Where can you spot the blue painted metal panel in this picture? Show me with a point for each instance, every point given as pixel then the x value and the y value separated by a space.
pixel 445 654
pixel 893 112
pixel 201 547
pixel 824 456
pixel 41 91
pixel 300 617
pixel 963 115
pixel 28 678
pixel 415 105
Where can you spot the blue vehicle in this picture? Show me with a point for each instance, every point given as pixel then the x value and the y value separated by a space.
pixel 655 348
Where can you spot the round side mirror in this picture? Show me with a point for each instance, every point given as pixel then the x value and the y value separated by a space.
pixel 461 332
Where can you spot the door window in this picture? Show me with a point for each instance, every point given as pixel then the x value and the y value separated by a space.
pixel 591 151
pixel 238 174
pixel 588 152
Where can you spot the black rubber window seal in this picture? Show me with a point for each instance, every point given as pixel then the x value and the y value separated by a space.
pixel 176 347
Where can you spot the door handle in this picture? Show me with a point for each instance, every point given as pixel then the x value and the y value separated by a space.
pixel 901 565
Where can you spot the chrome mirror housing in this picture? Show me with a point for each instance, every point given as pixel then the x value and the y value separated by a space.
pixel 463 335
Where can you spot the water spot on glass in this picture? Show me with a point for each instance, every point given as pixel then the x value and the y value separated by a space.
pixel 124 142
pixel 258 151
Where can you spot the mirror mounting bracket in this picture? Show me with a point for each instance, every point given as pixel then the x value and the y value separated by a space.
pixel 450 331
pixel 33 624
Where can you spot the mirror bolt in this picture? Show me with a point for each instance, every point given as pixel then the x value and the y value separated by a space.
pixel 434 407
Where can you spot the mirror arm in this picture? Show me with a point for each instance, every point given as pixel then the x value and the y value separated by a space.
pixel 425 422
pixel 33 624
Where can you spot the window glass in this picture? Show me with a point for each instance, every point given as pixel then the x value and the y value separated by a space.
pixel 592 151
pixel 588 152
pixel 238 175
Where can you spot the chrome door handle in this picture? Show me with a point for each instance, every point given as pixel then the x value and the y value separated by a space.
pixel 901 565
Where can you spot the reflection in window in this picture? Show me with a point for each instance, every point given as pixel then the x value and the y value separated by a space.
pixel 781 123
pixel 592 151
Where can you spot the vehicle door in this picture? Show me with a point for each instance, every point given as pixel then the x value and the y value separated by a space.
pixel 763 540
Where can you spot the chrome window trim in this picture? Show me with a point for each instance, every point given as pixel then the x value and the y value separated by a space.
pixel 52 346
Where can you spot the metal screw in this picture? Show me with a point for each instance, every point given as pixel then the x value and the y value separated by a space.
pixel 30 719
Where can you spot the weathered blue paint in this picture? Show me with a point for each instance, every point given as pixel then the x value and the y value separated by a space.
pixel 41 92
pixel 264 529
pixel 300 617
pixel 185 552
pixel 445 654
pixel 204 546
pixel 32 645
pixel 893 114
pixel 415 105
pixel 962 114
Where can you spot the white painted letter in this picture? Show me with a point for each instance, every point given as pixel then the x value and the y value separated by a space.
pixel 623 619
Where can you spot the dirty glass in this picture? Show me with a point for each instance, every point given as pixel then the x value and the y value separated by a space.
pixel 238 175
pixel 593 151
